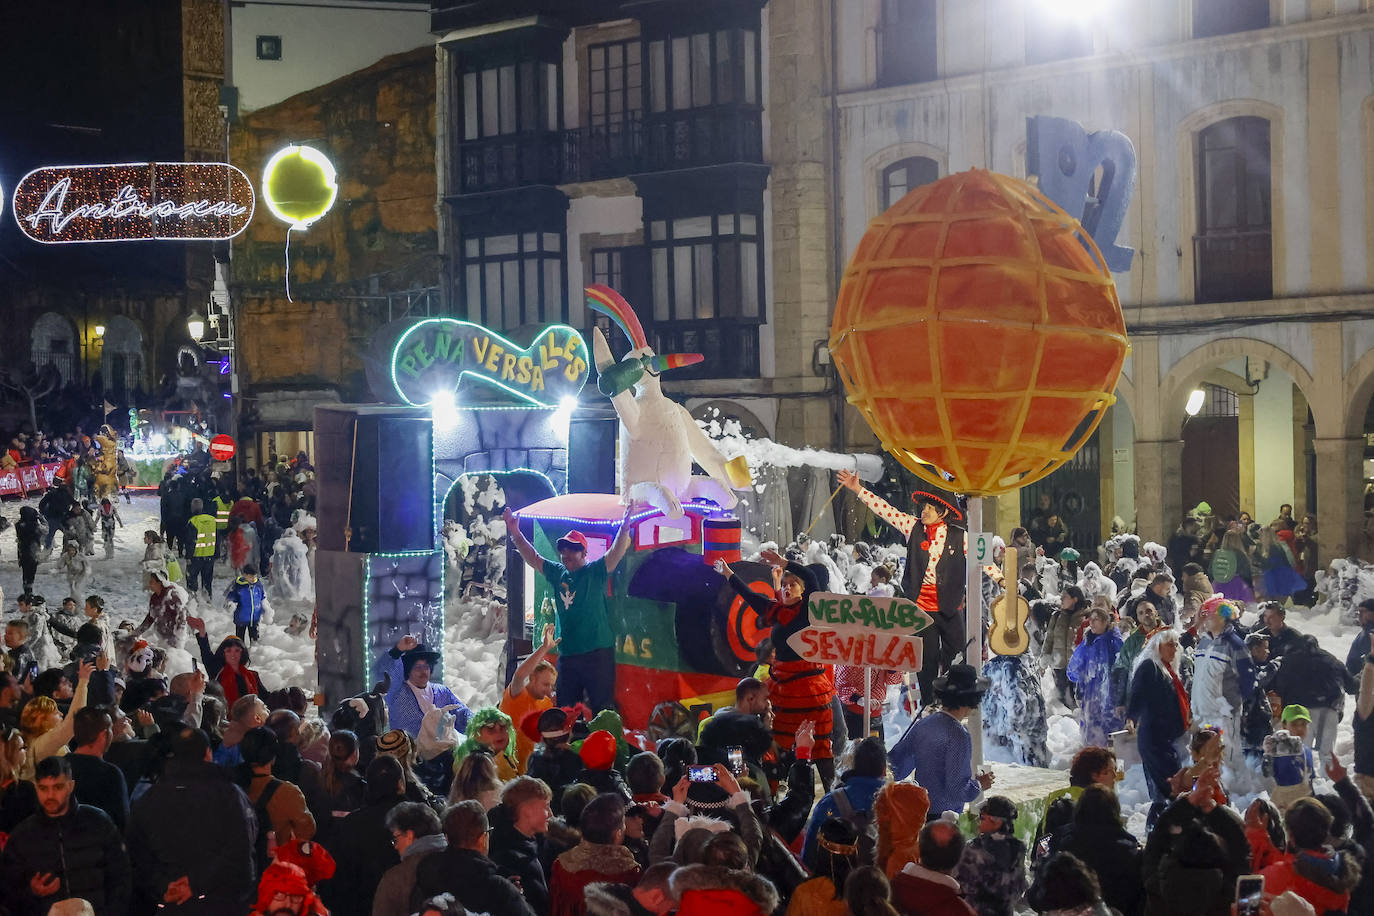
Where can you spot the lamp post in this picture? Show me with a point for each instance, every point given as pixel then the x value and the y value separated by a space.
pixel 195 325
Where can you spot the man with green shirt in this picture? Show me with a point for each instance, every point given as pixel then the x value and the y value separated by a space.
pixel 586 664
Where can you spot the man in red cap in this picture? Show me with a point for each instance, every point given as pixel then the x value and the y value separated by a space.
pixel 935 570
pixel 586 665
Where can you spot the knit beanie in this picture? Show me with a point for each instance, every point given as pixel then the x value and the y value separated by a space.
pixel 396 743
pixel 598 751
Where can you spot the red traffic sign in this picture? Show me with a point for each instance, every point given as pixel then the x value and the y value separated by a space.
pixel 222 447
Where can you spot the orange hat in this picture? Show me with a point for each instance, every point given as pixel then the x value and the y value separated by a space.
pixel 598 751
pixel 901 808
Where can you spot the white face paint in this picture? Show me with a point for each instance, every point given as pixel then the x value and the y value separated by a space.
pixel 139 661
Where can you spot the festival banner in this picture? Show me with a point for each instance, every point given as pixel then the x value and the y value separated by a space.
pixel 861 630
pixel 138 201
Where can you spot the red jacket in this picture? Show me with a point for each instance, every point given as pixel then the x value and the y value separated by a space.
pixel 1322 878
pixel 583 865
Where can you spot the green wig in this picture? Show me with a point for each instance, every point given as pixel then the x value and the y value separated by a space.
pixel 487 715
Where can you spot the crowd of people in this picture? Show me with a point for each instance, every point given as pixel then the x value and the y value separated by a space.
pixel 129 785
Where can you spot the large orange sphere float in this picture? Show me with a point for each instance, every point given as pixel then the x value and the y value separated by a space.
pixel 979 332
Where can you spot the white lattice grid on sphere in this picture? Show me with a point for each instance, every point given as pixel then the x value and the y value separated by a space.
pixel 979 332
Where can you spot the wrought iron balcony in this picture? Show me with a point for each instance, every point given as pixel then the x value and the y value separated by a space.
pixel 656 143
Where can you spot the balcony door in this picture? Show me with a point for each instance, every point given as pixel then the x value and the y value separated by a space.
pixel 1233 247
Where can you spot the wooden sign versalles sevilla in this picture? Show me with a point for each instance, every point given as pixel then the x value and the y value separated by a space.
pixel 860 630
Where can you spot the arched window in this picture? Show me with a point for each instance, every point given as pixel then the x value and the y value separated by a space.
pixel 54 342
pixel 1233 249
pixel 121 357
pixel 900 177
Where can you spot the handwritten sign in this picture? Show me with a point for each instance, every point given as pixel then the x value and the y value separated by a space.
pixel 435 355
pixel 138 201
pixel 859 630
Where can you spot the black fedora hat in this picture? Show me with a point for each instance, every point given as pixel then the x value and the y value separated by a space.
pixel 961 686
pixel 420 653
pixel 942 499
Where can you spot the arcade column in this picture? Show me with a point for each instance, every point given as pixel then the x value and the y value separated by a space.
pixel 1340 498
pixel 1158 488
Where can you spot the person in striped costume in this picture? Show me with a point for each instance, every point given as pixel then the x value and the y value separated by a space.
pixel 935 570
pixel 799 690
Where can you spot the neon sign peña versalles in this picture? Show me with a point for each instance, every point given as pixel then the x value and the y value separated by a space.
pixel 139 201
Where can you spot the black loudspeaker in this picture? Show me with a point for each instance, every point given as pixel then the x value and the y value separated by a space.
pixel 592 439
pixel 376 479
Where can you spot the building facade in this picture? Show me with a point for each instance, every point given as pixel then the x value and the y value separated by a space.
pixel 110 318
pixel 1252 224
pixel 370 260
pixel 279 49
pixel 640 144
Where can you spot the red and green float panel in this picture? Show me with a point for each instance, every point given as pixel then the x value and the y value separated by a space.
pixel 681 633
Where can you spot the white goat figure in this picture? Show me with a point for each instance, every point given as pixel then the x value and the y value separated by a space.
pixel 659 440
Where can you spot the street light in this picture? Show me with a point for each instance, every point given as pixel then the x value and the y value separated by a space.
pixel 195 324
pixel 1195 399
pixel 100 330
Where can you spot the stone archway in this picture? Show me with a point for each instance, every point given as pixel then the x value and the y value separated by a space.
pixel 1336 454
pixel 1185 374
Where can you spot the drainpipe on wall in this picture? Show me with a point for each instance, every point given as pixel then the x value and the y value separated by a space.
pixel 837 243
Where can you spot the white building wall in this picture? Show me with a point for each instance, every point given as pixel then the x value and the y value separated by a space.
pixel 322 40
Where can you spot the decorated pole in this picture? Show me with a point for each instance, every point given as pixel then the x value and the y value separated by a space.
pixel 973 619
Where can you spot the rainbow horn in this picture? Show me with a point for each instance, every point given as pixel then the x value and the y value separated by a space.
pixel 672 361
pixel 609 302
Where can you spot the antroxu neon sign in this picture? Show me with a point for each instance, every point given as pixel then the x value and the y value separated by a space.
pixel 138 201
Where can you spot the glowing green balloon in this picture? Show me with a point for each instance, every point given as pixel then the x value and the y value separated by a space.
pixel 299 185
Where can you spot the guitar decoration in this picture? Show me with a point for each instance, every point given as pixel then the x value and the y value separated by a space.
pixel 1007 634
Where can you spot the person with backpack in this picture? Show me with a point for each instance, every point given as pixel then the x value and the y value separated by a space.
pixel 852 801
pixel 282 814
pixel 1314 678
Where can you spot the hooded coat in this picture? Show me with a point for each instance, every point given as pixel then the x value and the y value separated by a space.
pixel 705 890
pixel 235 683
pixel 1090 668
pixel 1179 882
pixel 1322 877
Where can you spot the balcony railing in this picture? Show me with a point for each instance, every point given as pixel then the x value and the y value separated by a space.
pixel 1233 266
pixel 655 143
